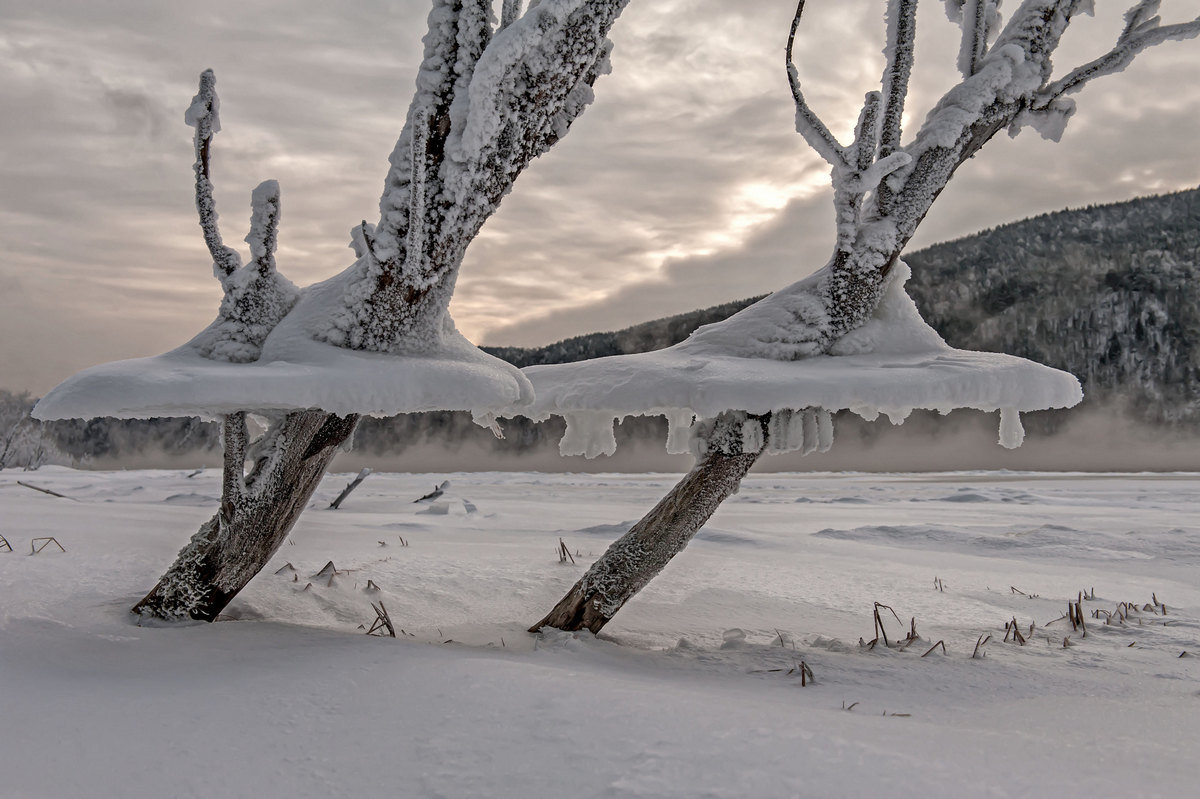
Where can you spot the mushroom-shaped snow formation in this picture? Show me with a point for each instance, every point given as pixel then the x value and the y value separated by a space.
pixel 891 365
pixel 296 372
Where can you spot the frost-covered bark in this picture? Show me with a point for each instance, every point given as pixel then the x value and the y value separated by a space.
pixel 883 188
pixel 488 100
pixel 257 512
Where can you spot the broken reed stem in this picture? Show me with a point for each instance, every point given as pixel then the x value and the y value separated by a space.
pixel 942 644
pixel 978 645
pixel 34 549
pixel 382 621
pixel 564 554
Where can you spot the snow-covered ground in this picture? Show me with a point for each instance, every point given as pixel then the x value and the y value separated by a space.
pixel 693 691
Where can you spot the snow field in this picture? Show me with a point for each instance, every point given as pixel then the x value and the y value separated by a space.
pixel 687 693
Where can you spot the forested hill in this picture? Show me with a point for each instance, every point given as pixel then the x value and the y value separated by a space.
pixel 1110 293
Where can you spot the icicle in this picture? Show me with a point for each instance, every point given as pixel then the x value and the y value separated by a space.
pixel 1012 434
pixel 752 437
pixel 488 420
pixel 824 430
pixel 679 426
pixel 589 433
pixel 810 434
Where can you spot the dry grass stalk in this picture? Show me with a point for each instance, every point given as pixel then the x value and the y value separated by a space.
pixel 879 631
pixel 942 644
pixel 382 621
pixel 47 541
pixel 4 543
pixel 564 554
pixel 939 585
pixel 979 644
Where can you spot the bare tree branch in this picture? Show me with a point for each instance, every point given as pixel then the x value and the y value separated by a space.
pixel 1140 33
pixel 808 124
pixel 203 116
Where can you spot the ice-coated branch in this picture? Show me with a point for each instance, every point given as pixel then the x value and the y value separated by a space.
pixel 866 132
pixel 1143 29
pixel 459 31
pixel 1144 13
pixel 974 37
pixel 417 195
pixel 510 11
pixel 256 297
pixel 900 53
pixel 808 124
pixel 203 115
pixel 264 226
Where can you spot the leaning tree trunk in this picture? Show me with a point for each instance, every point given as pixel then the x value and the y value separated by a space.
pixel 635 558
pixel 257 512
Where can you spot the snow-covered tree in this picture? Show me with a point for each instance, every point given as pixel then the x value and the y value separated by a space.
pixel 376 338
pixel 847 337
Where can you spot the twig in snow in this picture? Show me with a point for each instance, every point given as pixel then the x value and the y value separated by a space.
pixel 979 644
pixel 346 491
pixel 435 493
pixel 4 543
pixel 46 491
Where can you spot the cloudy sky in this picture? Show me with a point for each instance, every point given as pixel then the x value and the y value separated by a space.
pixel 684 185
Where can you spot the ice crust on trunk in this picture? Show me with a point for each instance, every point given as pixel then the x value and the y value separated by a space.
pixel 891 365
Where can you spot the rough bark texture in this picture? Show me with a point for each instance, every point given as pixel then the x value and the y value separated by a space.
pixel 635 558
pixel 257 513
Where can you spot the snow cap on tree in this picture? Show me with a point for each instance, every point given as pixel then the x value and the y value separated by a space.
pixel 891 365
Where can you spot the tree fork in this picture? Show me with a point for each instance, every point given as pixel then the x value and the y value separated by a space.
pixel 257 513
